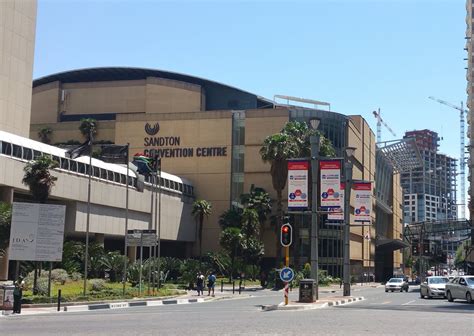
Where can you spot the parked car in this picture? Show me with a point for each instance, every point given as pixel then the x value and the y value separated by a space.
pixel 461 288
pixel 396 284
pixel 433 286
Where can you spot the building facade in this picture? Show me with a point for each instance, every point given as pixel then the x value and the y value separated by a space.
pixel 207 133
pixel 17 44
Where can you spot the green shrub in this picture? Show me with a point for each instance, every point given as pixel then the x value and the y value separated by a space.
pixel 76 276
pixel 42 286
pixel 59 275
pixel 97 285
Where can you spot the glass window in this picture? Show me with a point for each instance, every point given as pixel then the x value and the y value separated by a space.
pixel 64 164
pixel 73 166
pixel 6 148
pixel 17 151
pixel 81 168
pixel 28 154
pixel 36 154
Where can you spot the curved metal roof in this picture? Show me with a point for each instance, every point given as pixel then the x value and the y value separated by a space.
pixel 104 74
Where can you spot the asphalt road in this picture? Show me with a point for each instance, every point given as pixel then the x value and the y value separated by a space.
pixel 380 314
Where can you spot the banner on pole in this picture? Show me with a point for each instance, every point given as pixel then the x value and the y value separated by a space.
pixel 363 201
pixel 330 171
pixel 338 213
pixel 297 184
pixel 37 232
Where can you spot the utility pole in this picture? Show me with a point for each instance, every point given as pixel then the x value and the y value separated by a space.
pixel 347 218
pixel 315 145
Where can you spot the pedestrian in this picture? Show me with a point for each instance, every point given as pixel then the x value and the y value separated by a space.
pixel 211 282
pixel 17 296
pixel 200 284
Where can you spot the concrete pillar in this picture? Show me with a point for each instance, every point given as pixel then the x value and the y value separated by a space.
pixel 99 238
pixel 6 195
pixel 132 253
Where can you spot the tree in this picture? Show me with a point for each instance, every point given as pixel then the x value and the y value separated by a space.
pixel 250 223
pixel 44 135
pixel 301 133
pixel 5 222
pixel 38 177
pixel 259 200
pixel 201 209
pixel 113 263
pixel 461 252
pixel 231 218
pixel 88 127
pixel 276 150
pixel 230 241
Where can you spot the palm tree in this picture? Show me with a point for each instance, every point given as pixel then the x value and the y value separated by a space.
pixel 38 177
pixel 44 134
pixel 276 150
pixel 301 133
pixel 39 180
pixel 259 200
pixel 231 218
pixel 88 127
pixel 201 209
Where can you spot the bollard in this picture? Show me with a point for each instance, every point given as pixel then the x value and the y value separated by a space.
pixel 240 287
pixel 59 300
pixel 222 286
pixel 233 287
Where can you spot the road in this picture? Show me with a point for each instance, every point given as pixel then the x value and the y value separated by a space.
pixel 380 314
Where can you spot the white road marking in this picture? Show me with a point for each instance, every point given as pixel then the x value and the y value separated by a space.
pixel 408 302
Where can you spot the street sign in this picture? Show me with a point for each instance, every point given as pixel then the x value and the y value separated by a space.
pixel 141 237
pixel 287 274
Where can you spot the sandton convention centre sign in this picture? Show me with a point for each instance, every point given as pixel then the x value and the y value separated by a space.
pixel 170 146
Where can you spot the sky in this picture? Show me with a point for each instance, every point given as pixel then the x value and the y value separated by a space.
pixel 359 55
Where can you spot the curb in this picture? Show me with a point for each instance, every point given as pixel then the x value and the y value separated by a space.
pixel 311 306
pixel 121 305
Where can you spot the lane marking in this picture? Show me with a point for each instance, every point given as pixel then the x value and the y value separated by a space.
pixel 386 302
pixel 409 302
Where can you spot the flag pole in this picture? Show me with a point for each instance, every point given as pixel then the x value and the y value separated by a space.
pixel 86 255
pixel 124 277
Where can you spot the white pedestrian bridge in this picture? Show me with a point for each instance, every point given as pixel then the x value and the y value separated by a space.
pixel 108 193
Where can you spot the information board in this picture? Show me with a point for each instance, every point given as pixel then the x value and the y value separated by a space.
pixel 37 232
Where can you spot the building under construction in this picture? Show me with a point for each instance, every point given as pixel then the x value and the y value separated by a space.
pixel 430 190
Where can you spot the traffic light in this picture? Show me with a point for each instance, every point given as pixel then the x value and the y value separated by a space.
pixel 426 247
pixel 286 235
pixel 414 249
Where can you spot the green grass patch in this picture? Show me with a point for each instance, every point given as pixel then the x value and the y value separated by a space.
pixel 73 292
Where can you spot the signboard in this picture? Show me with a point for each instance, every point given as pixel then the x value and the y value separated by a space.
pixel 298 184
pixel 287 274
pixel 330 171
pixel 6 297
pixel 37 232
pixel 363 201
pixel 141 237
pixel 338 213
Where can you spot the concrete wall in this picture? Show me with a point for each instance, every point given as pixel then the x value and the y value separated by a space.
pixel 17 44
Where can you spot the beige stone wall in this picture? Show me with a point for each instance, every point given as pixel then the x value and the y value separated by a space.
pixel 44 104
pixel 362 138
pixel 17 44
pixel 63 132
pixel 168 96
pixel 210 175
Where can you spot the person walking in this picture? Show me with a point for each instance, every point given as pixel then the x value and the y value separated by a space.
pixel 200 284
pixel 17 296
pixel 211 282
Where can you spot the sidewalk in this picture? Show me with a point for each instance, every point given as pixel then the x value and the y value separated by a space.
pixel 188 298
pixel 319 304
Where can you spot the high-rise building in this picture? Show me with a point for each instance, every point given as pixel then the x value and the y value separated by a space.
pixel 17 44
pixel 430 191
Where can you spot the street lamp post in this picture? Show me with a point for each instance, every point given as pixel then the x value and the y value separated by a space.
pixel 349 151
pixel 315 145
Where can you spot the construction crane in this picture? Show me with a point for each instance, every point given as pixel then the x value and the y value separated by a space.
pixel 380 122
pixel 462 160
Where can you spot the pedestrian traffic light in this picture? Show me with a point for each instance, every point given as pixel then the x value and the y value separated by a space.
pixel 426 247
pixel 286 234
pixel 414 249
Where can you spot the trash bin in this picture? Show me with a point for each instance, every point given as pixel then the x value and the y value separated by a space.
pixel 6 297
pixel 307 290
